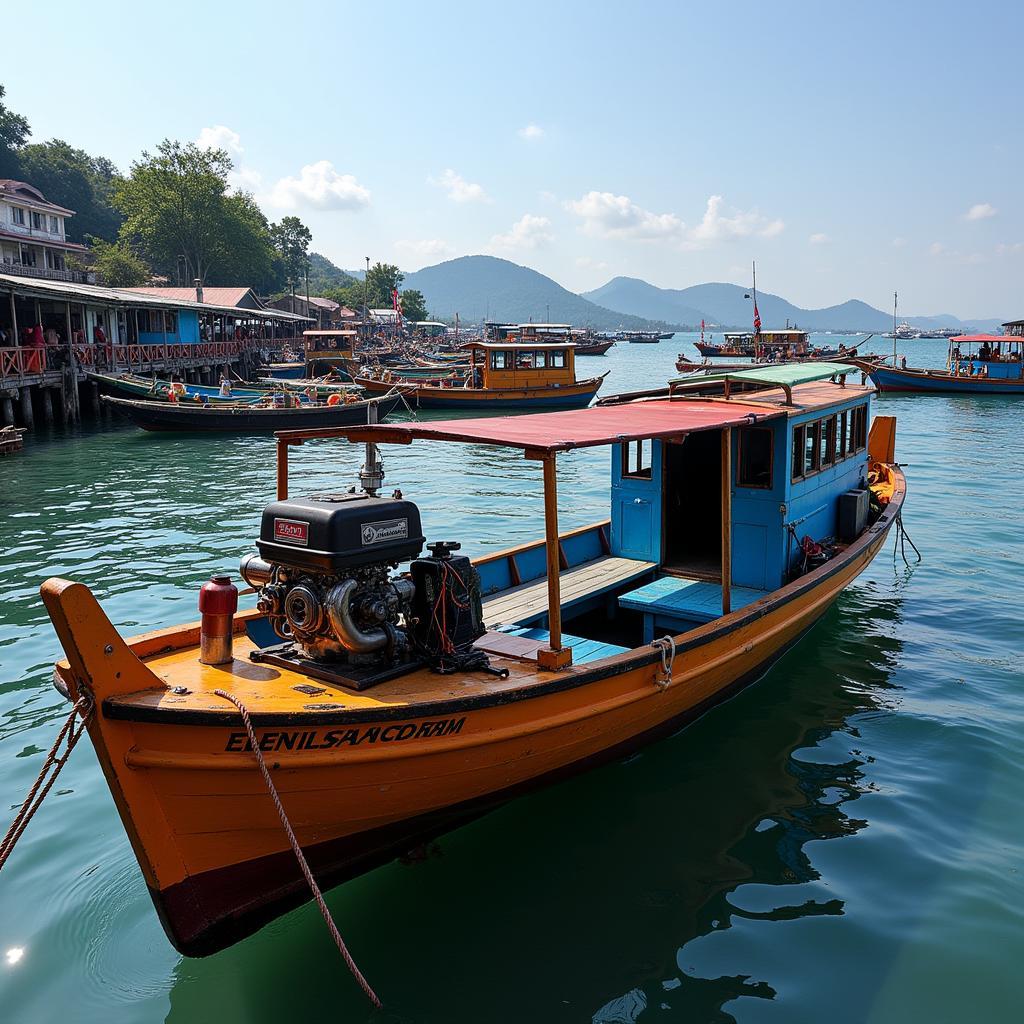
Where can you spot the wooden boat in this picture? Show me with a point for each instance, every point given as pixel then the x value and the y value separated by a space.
pixel 11 439
pixel 611 636
pixel 685 365
pixel 248 418
pixel 733 345
pixel 789 345
pixel 507 376
pixel 145 389
pixel 977 364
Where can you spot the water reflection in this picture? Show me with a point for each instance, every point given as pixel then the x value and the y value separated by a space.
pixel 593 899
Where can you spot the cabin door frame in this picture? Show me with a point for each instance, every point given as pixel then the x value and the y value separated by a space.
pixel 691 544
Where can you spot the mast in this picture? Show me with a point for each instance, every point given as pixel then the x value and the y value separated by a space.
pixel 757 315
pixel 895 304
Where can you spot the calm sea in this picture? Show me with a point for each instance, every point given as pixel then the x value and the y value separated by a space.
pixel 842 842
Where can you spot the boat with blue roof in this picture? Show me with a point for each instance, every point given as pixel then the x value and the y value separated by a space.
pixel 393 695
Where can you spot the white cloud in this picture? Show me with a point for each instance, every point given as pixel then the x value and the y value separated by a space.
pixel 1009 249
pixel 547 197
pixel 899 243
pixel 606 215
pixel 980 211
pixel 219 136
pixel 819 238
pixel 532 133
pixel 459 190
pixel 936 248
pixel 320 187
pixel 529 232
pixel 427 248
pixel 244 179
pixel 588 263
pixel 715 227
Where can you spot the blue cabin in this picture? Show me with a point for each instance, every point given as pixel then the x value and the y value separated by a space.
pixel 793 441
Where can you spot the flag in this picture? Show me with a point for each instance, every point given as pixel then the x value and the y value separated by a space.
pixel 395 301
pixel 757 319
pixel 702 330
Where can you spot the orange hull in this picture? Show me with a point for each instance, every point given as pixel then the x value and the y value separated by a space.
pixel 364 776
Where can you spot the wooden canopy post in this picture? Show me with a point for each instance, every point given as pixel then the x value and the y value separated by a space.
pixel 554 656
pixel 726 520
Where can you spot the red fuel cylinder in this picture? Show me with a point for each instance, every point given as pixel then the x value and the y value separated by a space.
pixel 218 602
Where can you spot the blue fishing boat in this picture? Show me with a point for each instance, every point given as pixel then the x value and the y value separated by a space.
pixel 977 364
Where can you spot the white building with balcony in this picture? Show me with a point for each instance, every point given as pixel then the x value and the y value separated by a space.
pixel 32 234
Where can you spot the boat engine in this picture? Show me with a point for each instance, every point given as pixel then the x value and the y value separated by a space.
pixel 325 580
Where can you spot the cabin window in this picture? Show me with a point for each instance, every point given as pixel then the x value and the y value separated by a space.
pixel 828 442
pixel 498 360
pixel 556 359
pixel 525 360
pixel 812 448
pixel 841 435
pixel 755 458
pixel 858 429
pixel 798 451
pixel 636 459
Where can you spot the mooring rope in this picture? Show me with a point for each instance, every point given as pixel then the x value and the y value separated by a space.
pixel 297 850
pixel 667 646
pixel 902 539
pixel 37 794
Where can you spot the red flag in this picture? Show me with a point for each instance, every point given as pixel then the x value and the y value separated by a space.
pixel 394 300
pixel 757 319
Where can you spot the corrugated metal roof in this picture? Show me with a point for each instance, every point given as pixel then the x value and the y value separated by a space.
pixel 214 296
pixel 65 290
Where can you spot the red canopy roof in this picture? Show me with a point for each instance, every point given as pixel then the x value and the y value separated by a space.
pixel 577 428
pixel 980 338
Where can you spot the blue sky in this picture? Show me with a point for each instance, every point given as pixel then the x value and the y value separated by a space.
pixel 851 149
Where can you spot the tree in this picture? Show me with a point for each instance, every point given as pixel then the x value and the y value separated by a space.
pixel 117 265
pixel 291 239
pixel 382 280
pixel 71 177
pixel 14 130
pixel 176 204
pixel 414 305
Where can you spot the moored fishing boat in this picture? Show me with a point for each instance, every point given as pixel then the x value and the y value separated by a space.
pixel 502 376
pixel 245 418
pixel 380 700
pixel 158 390
pixel 977 364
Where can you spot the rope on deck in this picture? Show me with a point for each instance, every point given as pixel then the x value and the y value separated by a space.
pixel 297 850
pixel 72 731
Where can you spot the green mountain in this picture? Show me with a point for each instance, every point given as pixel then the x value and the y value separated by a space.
pixel 323 274
pixel 485 287
pixel 728 305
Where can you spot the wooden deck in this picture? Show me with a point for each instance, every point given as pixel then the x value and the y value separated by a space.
pixel 530 600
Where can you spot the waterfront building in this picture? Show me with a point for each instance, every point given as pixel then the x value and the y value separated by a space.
pixel 33 238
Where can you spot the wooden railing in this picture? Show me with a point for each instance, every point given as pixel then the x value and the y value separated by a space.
pixel 16 363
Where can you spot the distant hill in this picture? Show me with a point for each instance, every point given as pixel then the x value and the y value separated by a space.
pixel 323 274
pixel 479 287
pixel 724 305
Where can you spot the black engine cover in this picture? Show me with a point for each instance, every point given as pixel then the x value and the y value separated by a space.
pixel 328 533
pixel 448 596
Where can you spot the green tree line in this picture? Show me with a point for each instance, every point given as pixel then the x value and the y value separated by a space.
pixel 175 215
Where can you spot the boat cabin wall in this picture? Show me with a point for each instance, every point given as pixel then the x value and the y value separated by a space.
pixel 826 456
pixel 523 367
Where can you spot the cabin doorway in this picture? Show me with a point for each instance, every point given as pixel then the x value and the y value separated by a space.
pixel 692 512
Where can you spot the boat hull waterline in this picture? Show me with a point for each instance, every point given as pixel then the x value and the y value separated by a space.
pixel 569 396
pixel 363 783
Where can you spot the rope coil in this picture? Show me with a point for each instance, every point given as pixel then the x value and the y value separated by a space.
pixel 71 732
pixel 666 646
pixel 297 850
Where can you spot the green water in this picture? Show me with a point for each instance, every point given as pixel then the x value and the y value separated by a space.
pixel 842 842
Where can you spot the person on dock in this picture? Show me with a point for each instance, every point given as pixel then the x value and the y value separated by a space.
pixel 225 387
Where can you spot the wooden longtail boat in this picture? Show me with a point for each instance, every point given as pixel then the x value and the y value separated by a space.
pixel 611 636
pixel 131 386
pixel 246 418
pixel 506 376
pixel 11 439
pixel 977 364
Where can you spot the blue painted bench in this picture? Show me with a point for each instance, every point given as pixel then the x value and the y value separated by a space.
pixel 583 650
pixel 673 605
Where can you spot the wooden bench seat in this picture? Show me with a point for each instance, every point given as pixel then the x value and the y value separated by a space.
pixel 529 601
pixel 524 642
pixel 670 603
